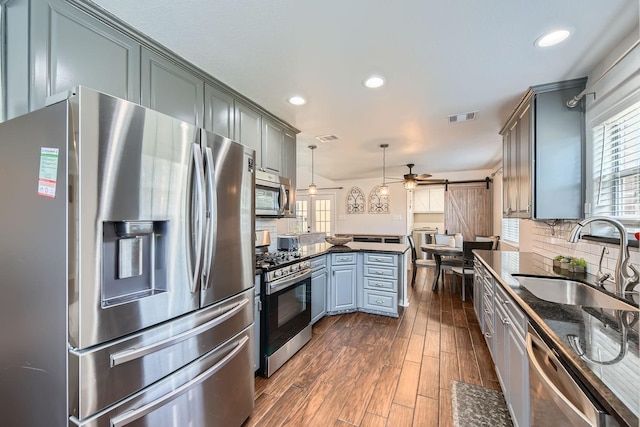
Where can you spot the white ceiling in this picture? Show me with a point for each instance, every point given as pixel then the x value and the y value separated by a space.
pixel 438 57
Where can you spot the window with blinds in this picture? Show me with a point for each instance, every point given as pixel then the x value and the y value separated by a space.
pixel 510 230
pixel 616 170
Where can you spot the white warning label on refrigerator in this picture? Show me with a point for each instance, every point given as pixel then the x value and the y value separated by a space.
pixel 48 172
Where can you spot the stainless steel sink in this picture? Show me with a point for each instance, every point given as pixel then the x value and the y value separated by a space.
pixel 570 292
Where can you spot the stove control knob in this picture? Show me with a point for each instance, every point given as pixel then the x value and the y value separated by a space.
pixel 294 268
pixel 277 273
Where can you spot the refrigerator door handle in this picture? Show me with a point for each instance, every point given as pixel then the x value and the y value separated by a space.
pixel 199 216
pixel 212 217
pixel 135 353
pixel 135 414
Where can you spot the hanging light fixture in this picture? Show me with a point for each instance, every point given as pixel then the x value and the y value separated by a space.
pixel 313 189
pixel 384 188
pixel 410 179
pixel 410 184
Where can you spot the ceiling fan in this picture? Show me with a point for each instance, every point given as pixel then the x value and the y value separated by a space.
pixel 411 180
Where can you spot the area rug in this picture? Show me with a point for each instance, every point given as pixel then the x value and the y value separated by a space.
pixel 474 405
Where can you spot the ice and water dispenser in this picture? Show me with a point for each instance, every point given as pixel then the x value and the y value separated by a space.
pixel 133 260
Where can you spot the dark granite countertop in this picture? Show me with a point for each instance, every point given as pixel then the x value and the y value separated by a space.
pixel 609 371
pixel 319 249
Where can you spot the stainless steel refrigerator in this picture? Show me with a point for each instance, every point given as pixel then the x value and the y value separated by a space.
pixel 126 269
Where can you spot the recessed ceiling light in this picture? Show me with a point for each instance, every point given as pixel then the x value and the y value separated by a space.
pixel 297 100
pixel 374 81
pixel 552 38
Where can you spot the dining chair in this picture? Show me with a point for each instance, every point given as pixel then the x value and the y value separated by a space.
pixel 466 269
pixel 494 239
pixel 418 263
pixel 447 262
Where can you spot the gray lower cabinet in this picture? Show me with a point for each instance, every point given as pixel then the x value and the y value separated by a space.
pixel 504 326
pixel 380 283
pixel 318 288
pixel 219 109
pixel 478 292
pixel 343 282
pixel 514 371
pixel 171 89
pixel 68 48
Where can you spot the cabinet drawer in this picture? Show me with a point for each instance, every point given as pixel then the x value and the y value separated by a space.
pixel 380 284
pixel 380 301
pixel 387 259
pixel 516 315
pixel 379 271
pixel 341 259
pixel 318 262
pixel 488 304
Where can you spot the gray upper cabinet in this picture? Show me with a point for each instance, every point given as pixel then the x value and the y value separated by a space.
pixel 289 153
pixel 219 111
pixel 248 125
pixel 543 151
pixel 272 144
pixel 171 89
pixel 69 48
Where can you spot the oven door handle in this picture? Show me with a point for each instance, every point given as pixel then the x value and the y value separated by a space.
pixel 286 282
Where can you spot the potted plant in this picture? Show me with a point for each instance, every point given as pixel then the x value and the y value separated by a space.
pixel 578 265
pixel 564 263
pixel 557 260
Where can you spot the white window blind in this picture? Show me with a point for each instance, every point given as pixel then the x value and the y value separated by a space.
pixel 616 170
pixel 510 230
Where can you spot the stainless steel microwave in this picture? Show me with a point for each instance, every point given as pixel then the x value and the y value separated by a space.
pixel 274 196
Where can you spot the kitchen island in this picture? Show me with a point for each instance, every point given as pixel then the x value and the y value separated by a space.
pixel 606 359
pixel 360 276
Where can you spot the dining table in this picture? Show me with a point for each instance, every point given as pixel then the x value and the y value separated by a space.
pixel 438 251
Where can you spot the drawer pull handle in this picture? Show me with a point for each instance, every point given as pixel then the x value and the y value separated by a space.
pixel 379 272
pixel 505 321
pixel 380 285
pixel 487 335
pixel 379 301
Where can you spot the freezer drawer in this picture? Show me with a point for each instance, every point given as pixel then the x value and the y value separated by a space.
pixel 112 372
pixel 215 390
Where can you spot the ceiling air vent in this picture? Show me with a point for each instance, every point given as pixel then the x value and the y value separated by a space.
pixel 326 138
pixel 463 117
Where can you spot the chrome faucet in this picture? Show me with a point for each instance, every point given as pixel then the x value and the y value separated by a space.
pixel 626 275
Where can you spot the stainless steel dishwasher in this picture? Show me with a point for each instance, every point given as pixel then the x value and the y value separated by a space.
pixel 556 397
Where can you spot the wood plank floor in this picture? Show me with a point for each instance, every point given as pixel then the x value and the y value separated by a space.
pixel 367 370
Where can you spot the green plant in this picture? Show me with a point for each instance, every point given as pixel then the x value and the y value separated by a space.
pixel 579 262
pixel 559 257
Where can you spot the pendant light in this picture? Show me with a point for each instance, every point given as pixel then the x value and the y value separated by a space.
pixel 313 189
pixel 384 188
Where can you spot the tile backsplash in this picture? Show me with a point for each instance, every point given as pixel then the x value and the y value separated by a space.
pixel 549 242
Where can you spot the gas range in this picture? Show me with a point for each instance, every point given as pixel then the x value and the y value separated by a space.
pixel 281 264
